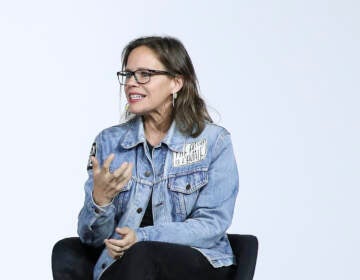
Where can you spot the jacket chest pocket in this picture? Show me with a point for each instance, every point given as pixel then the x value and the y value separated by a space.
pixel 184 190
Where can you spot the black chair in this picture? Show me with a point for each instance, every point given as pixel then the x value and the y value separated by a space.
pixel 245 248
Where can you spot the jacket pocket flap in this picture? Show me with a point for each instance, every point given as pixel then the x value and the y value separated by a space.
pixel 188 183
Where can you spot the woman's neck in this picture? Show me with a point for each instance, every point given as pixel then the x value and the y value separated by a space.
pixel 156 128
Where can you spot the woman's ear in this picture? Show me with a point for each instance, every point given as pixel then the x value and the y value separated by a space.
pixel 177 83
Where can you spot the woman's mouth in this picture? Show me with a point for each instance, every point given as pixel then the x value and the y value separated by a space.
pixel 135 97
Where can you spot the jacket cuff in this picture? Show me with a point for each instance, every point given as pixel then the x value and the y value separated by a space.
pixel 140 235
pixel 98 210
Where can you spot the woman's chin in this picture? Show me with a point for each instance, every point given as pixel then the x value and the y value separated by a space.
pixel 136 112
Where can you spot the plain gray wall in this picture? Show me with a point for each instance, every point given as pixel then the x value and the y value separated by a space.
pixel 283 76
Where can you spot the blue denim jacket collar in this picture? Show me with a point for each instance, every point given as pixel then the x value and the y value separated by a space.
pixel 174 139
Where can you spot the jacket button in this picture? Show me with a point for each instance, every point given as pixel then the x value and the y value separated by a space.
pixel 103 265
pixel 147 173
pixel 139 210
pixel 188 187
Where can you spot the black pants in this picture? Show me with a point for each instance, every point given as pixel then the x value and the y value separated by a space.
pixel 144 261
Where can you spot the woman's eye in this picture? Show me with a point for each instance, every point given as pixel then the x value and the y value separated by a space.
pixel 145 74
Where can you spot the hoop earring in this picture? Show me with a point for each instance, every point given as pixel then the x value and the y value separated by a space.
pixel 174 96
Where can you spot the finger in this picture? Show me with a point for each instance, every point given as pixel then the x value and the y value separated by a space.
pixel 124 178
pixel 126 247
pixel 128 171
pixel 121 243
pixel 112 253
pixel 117 245
pixel 113 250
pixel 107 162
pixel 113 247
pixel 120 170
pixel 115 242
pixel 95 163
pixel 118 255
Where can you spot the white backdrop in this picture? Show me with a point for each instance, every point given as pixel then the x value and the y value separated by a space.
pixel 283 75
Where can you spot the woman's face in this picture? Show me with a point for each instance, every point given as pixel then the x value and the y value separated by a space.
pixel 153 97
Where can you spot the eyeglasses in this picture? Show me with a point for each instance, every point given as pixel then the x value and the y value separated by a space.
pixel 142 76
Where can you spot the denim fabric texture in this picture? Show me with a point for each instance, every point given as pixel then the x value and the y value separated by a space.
pixel 194 182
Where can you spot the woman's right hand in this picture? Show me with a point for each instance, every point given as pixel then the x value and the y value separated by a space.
pixel 106 184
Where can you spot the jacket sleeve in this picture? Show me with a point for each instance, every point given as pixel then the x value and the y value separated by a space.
pixel 213 211
pixel 95 223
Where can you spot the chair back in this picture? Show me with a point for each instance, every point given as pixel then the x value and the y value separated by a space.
pixel 245 248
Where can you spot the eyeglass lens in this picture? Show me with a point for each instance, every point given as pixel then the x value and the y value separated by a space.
pixel 141 76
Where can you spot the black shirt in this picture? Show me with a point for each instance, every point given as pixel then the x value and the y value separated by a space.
pixel 148 217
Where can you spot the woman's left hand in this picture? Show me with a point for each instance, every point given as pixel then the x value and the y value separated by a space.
pixel 117 247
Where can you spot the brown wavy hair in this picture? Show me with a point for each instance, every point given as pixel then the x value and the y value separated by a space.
pixel 190 112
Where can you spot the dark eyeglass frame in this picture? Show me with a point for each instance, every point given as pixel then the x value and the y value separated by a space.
pixel 137 75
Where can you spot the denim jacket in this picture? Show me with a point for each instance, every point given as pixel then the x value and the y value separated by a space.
pixel 193 182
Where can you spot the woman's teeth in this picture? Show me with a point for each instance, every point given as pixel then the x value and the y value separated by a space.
pixel 136 96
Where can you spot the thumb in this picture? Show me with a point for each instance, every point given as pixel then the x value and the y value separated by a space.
pixel 123 230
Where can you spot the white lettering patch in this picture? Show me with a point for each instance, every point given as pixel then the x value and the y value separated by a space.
pixel 191 153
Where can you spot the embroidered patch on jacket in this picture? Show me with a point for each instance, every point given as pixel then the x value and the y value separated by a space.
pixel 92 154
pixel 192 152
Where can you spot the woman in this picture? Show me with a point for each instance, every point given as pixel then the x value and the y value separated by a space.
pixel 162 185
